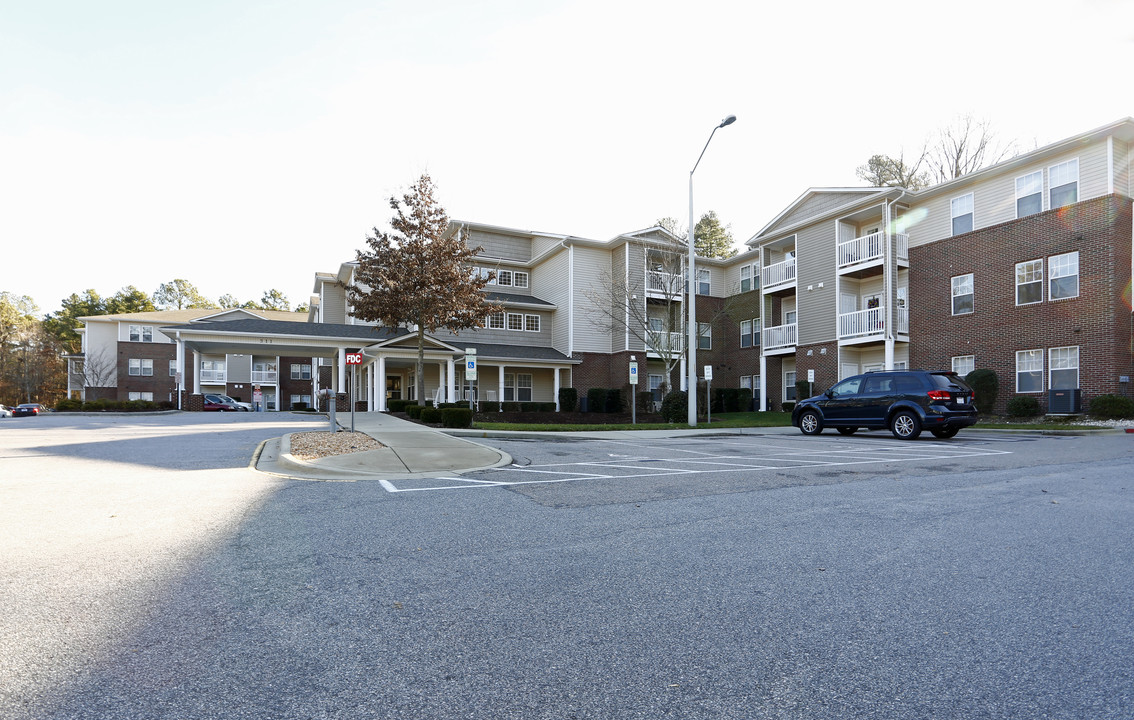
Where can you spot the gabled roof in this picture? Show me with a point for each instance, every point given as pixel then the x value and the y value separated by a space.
pixel 818 201
pixel 193 315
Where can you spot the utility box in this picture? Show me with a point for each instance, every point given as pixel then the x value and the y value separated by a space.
pixel 1064 402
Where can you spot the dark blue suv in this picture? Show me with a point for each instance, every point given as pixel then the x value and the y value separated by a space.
pixel 905 401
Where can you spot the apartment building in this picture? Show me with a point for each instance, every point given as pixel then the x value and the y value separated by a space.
pixel 1024 268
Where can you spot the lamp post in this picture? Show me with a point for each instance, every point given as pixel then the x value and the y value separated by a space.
pixel 691 341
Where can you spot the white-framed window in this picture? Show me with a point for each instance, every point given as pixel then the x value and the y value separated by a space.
pixel 1063 274
pixel 496 321
pixel 655 383
pixel 746 382
pixel 1063 368
pixel 704 336
pixel 504 277
pixel 963 296
pixel 745 334
pixel 703 281
pixel 483 273
pixel 515 321
pixel 297 399
pixel 142 367
pixel 517 387
pixel 1029 282
pixel 141 333
pixel 1063 181
pixel 789 386
pixel 519 279
pixel 173 368
pixel 964 364
pixel 745 278
pixel 1029 194
pixel 300 371
pixel 1029 371
pixel 531 323
pixel 961 212
pixel 790 317
pixel 141 396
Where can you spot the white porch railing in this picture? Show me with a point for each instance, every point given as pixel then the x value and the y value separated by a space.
pixel 872 321
pixel 212 376
pixel 778 274
pixel 664 343
pixel 264 376
pixel 870 247
pixel 779 336
pixel 666 283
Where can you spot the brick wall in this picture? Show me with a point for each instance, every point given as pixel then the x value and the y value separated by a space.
pixel 1098 321
pixel 161 383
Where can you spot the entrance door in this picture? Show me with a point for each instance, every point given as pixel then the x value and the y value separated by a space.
pixel 393 387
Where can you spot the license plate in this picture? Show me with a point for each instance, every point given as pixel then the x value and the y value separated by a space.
pixel 962 400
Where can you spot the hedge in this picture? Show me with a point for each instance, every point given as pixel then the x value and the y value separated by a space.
pixel 986 387
pixel 675 407
pixel 1112 407
pixel 397 405
pixel 1023 406
pixel 414 411
pixel 430 414
pixel 456 417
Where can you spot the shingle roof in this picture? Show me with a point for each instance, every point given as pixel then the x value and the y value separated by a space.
pixel 497 296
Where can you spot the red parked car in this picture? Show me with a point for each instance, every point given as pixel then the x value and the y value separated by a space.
pixel 220 403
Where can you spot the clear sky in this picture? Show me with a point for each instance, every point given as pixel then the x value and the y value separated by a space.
pixel 245 145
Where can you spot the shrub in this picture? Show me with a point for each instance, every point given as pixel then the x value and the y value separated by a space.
pixel 568 399
pixel 487 406
pixel 547 407
pixel 397 405
pixel 787 406
pixel 802 389
pixel 727 399
pixel 1112 407
pixel 299 406
pixel 596 400
pixel 457 417
pixel 986 387
pixel 512 407
pixel 68 405
pixel 614 400
pixel 1023 406
pixel 529 407
pixel 414 411
pixel 675 407
pixel 430 414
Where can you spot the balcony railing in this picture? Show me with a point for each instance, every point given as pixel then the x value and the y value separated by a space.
pixel 664 343
pixel 779 336
pixel 870 247
pixel 778 274
pixel 665 283
pixel 264 376
pixel 864 323
pixel 212 376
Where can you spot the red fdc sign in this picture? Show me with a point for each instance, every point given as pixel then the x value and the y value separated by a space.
pixel 354 358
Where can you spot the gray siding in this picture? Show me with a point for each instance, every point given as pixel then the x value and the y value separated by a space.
pixel 619 270
pixel 332 303
pixel 550 282
pixel 815 250
pixel 816 205
pixel 592 273
pixel 503 247
pixel 1122 168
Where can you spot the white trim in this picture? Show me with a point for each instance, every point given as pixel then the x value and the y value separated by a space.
pixel 1109 164
pixel 1017 191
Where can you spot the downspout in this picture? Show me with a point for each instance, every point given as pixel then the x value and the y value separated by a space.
pixel 889 280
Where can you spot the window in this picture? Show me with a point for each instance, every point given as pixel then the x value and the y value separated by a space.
pixel 703 284
pixel 300 400
pixel 961 210
pixel 1029 371
pixel 789 386
pixel 745 334
pixel 1029 194
pixel 496 321
pixel 1029 282
pixel 142 396
pixel 141 333
pixel 531 323
pixel 520 279
pixel 962 294
pixel 704 336
pixel 173 368
pixel 300 371
pixel 517 387
pixel 504 277
pixel 1064 273
pixel 790 317
pixel 1063 363
pixel 1064 181
pixel 746 383
pixel 656 382
pixel 515 321
pixel 745 278
pixel 964 364
pixel 142 367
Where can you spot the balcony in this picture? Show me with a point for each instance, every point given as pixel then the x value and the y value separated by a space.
pixel 264 376
pixel 212 376
pixel 780 337
pixel 665 284
pixel 663 343
pixel 870 248
pixel 870 324
pixel 781 273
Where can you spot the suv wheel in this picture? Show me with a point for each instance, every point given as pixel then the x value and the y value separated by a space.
pixel 905 425
pixel 810 423
pixel 945 433
pixel 847 431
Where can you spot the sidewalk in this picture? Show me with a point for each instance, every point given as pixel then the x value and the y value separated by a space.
pixel 411 450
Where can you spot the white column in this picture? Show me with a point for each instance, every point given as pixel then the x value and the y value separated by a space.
pixel 684 375
pixel 500 390
pixel 555 375
pixel 763 383
pixel 370 387
pixel 380 384
pixel 341 365
pixel 889 349
pixel 441 382
pixel 196 373
pixel 451 376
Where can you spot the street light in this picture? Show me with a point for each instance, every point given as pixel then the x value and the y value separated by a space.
pixel 691 342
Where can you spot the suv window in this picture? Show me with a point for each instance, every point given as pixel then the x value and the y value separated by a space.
pixel 847 387
pixel 877 384
pixel 908 383
pixel 948 380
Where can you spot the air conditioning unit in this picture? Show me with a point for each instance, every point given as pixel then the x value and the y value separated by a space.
pixel 1064 402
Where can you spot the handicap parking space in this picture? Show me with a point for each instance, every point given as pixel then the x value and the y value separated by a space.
pixel 696 457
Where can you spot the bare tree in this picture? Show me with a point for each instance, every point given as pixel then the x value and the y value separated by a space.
pixel 417 276
pixel 96 370
pixel 886 171
pixel 965 146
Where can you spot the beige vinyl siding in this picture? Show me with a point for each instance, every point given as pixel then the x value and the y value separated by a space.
pixel 540 245
pixel 815 250
pixel 550 282
pixel 618 270
pixel 817 205
pixel 332 301
pixel 101 344
pixel 501 246
pixel 488 379
pixel 505 336
pixel 592 275
pixel 157 336
pixel 1122 168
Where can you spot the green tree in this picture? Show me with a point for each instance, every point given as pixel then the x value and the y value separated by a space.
pixel 275 300
pixel 180 294
pixel 64 324
pixel 712 238
pixel 418 275
pixel 129 300
pixel 228 301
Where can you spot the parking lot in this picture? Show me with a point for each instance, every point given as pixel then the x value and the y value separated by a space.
pixel 146 571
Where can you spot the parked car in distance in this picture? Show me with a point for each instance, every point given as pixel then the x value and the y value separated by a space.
pixel 219 403
pixel 904 401
pixel 25 409
pixel 247 407
pixel 5 411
